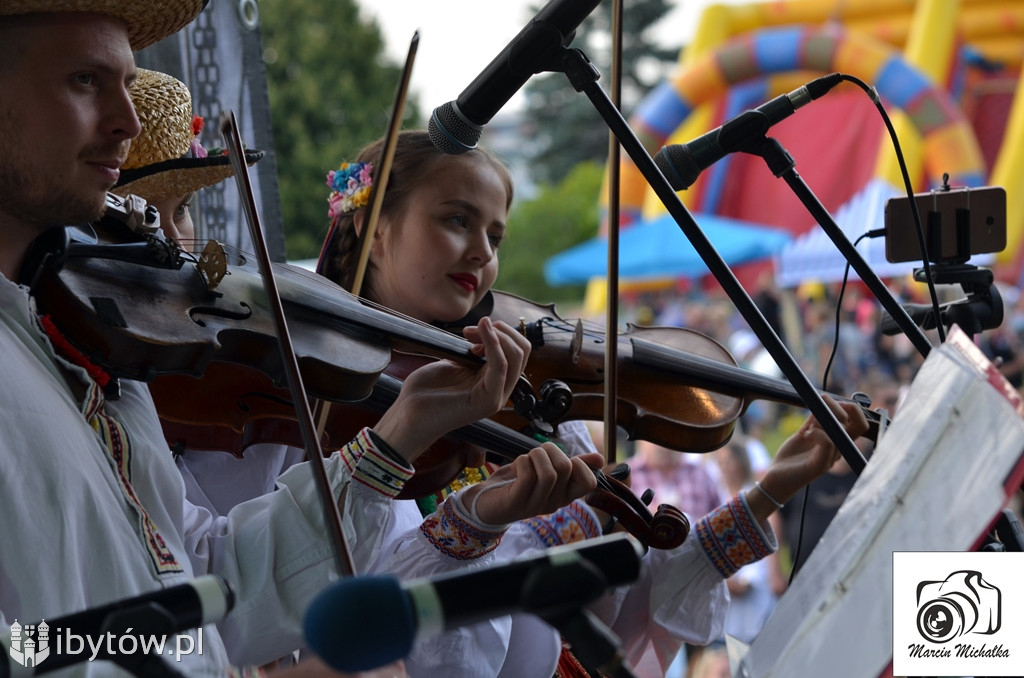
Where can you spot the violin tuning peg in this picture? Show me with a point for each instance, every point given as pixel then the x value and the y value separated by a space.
pixel 620 472
pixel 862 399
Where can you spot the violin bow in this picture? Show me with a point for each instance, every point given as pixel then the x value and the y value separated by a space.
pixel 311 441
pixel 611 429
pixel 387 155
pixel 383 167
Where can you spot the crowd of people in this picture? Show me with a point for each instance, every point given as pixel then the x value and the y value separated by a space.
pixel 115 513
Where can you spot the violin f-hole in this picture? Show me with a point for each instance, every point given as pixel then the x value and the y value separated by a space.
pixel 196 313
pixel 270 397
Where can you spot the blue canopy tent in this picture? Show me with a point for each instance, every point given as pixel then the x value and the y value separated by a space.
pixel 657 248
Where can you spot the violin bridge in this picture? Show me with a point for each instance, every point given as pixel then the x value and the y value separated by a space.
pixel 213 264
pixel 576 347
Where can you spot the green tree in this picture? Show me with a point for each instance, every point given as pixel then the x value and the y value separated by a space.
pixel 331 92
pixel 567 127
pixel 559 217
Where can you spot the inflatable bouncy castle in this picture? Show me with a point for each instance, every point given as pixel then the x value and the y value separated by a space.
pixel 947 71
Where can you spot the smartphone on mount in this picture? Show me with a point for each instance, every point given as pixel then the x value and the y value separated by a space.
pixel 983 209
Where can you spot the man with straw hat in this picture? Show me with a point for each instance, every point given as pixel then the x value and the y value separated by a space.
pixel 166 163
pixel 94 510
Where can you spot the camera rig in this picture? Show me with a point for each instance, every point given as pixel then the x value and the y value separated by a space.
pixel 982 307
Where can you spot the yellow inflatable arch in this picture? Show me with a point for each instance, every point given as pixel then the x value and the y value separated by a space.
pixel 950 145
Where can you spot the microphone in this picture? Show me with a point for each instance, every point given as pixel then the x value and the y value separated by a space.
pixel 204 600
pixel 455 127
pixel 362 623
pixel 682 163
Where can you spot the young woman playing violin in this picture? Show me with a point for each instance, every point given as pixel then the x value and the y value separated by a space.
pixel 166 165
pixel 433 257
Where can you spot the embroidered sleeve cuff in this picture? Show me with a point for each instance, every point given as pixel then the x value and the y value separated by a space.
pixel 372 467
pixel 456 536
pixel 731 537
pixel 567 525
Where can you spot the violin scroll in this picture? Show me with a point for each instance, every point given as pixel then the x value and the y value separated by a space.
pixel 669 527
pixel 666 529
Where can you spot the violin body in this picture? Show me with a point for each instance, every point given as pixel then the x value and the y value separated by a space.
pixel 652 404
pixel 676 387
pixel 233 407
pixel 139 320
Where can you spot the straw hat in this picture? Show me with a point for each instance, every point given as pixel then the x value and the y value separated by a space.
pixel 148 21
pixel 166 160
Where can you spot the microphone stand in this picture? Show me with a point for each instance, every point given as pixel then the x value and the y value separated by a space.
pixel 781 163
pixel 584 76
pixel 593 644
pixel 557 593
pixel 149 620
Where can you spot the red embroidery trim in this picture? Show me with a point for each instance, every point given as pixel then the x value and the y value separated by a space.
pixel 568 665
pixel 97 373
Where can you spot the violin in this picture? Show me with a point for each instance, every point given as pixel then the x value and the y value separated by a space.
pixel 677 388
pixel 136 310
pixel 436 468
pixel 233 407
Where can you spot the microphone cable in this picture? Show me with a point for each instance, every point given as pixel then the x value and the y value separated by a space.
pixel 873 95
pixel 876 100
pixel 874 233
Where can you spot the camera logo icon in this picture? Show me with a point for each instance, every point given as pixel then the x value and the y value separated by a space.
pixel 961 603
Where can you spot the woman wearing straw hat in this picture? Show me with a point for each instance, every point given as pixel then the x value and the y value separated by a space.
pixel 166 163
pixel 166 166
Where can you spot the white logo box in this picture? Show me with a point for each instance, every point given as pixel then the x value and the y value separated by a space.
pixel 958 613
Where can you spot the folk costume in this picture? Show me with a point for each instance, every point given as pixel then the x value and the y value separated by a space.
pixel 680 597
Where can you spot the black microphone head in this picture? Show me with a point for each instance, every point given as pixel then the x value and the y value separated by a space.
pixel 450 131
pixel 678 165
pixel 361 623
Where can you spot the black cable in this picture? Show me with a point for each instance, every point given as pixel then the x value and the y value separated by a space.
pixel 824 387
pixel 839 307
pixel 873 94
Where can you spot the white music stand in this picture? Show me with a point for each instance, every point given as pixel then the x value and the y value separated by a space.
pixel 936 482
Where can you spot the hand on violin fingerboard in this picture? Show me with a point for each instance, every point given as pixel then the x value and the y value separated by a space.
pixel 442 396
pixel 537 483
pixel 804 456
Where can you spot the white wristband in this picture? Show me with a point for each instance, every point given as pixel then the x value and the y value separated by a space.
pixel 469 513
pixel 772 499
